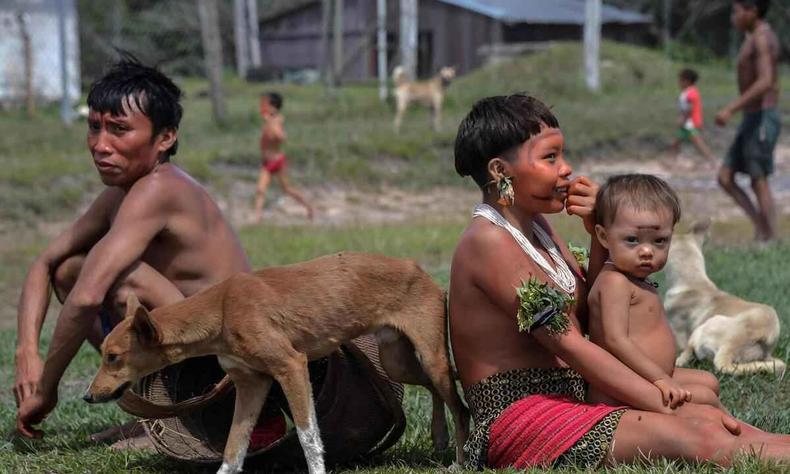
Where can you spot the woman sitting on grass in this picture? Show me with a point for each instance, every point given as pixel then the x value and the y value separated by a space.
pixel 525 377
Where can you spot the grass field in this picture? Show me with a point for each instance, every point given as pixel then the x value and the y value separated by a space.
pixel 761 400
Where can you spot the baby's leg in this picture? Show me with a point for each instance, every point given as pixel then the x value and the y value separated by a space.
pixel 703 395
pixel 685 376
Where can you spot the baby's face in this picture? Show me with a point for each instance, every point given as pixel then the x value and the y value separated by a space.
pixel 638 240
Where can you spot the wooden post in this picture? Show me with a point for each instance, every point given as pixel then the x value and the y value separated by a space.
pixel 337 55
pixel 240 36
pixel 592 44
pixel 253 33
pixel 408 37
pixel 212 55
pixel 381 47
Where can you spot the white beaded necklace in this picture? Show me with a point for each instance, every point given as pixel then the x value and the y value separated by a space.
pixel 562 275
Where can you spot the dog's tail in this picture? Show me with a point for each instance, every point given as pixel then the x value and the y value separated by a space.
pixel 772 365
pixel 399 75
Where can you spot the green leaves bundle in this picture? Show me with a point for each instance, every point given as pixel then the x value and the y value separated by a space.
pixel 581 254
pixel 538 302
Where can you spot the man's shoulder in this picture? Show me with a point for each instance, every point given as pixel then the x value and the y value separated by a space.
pixel 164 187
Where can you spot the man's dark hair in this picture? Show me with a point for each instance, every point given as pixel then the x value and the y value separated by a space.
pixel 153 93
pixel 275 98
pixel 641 192
pixel 760 5
pixel 493 128
pixel 689 75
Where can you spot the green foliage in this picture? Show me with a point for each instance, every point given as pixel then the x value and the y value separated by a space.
pixel 536 299
pixel 581 255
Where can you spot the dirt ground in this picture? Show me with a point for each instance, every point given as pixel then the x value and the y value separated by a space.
pixel 335 205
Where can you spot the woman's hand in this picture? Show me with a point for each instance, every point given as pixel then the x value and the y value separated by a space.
pixel 581 201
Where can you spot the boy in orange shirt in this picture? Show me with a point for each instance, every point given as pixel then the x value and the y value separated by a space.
pixel 690 119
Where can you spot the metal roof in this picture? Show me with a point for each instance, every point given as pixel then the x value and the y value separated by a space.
pixel 545 11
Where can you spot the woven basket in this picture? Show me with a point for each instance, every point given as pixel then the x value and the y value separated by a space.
pixel 359 410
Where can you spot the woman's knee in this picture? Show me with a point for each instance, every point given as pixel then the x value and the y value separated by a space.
pixel 710 441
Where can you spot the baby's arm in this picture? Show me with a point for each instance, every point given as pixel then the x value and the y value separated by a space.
pixel 614 311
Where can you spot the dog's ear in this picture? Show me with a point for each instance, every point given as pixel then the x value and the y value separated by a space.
pixel 132 303
pixel 144 327
pixel 701 229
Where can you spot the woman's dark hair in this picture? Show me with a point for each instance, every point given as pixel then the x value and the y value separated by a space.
pixel 760 5
pixel 494 127
pixel 150 91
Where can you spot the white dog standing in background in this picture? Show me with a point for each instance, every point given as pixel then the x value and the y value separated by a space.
pixel 429 93
pixel 708 323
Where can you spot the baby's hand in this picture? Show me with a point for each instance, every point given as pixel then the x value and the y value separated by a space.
pixel 673 394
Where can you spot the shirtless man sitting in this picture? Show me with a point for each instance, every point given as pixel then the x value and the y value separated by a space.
pixel 154 231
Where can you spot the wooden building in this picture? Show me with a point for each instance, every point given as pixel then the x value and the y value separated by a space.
pixel 462 33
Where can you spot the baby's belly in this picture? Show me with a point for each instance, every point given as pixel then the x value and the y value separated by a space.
pixel 659 345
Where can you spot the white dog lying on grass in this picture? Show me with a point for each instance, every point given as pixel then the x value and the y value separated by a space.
pixel 738 335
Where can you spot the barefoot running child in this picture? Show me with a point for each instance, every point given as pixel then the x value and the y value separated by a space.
pixel 690 118
pixel 273 161
pixel 635 217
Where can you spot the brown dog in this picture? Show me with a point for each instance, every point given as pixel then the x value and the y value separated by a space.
pixel 429 93
pixel 265 326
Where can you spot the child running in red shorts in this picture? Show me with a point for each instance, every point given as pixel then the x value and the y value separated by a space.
pixel 273 161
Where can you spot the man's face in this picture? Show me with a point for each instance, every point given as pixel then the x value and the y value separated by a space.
pixel 743 17
pixel 122 146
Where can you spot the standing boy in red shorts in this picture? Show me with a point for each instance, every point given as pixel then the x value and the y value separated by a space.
pixel 273 161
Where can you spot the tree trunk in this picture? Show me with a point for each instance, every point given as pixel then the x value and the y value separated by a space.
pixel 408 37
pixel 337 55
pixel 326 63
pixel 212 54
pixel 27 53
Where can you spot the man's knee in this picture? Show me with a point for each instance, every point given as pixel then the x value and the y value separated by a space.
pixel 726 179
pixel 65 276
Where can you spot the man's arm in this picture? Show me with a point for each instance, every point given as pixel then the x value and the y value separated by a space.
pixel 143 214
pixel 758 88
pixel 34 300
